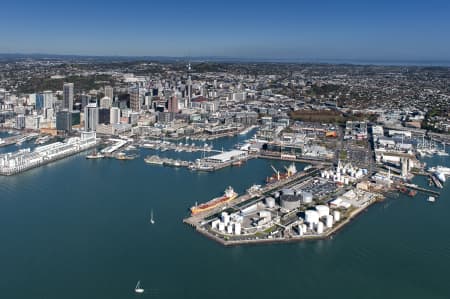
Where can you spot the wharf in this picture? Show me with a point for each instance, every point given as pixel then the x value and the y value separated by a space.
pixel 415 187
pixel 196 220
pixel 13 139
pixel 300 160
pixel 289 238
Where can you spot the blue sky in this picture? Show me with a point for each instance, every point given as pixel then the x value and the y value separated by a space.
pixel 321 29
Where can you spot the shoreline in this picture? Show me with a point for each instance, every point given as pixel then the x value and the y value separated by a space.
pixel 323 236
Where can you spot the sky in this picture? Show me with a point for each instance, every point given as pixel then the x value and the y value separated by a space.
pixel 278 29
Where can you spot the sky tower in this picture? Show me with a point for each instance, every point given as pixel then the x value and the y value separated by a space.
pixel 189 83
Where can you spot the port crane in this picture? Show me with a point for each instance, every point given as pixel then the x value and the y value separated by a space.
pixel 276 172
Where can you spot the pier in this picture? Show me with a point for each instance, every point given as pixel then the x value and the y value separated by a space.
pixel 424 190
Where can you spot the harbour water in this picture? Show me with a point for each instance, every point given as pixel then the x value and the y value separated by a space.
pixel 80 228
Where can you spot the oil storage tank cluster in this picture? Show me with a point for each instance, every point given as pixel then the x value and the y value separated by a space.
pixel 270 202
pixel 289 200
pixel 307 197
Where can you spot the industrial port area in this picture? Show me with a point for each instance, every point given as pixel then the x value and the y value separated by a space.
pixel 301 205
pixel 181 117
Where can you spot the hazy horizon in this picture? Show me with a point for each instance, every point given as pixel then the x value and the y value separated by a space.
pixel 290 30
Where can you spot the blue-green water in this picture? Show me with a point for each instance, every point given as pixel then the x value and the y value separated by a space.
pixel 79 228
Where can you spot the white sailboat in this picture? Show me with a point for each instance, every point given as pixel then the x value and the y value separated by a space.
pixel 138 289
pixel 152 221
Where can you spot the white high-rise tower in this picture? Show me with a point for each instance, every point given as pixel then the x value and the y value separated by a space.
pixel 189 85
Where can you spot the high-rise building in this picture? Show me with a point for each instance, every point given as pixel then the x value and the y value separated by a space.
pixel 85 100
pixel 39 101
pixel 109 92
pixel 20 122
pixel 76 118
pixel 48 99
pixel 64 120
pixel 105 102
pixel 104 116
pixel 189 83
pixel 135 99
pixel 90 117
pixel 173 104
pixel 68 96
pixel 114 116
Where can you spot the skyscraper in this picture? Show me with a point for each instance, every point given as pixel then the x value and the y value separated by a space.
pixel 90 117
pixel 109 92
pixel 48 99
pixel 39 101
pixel 135 99
pixel 173 104
pixel 114 116
pixel 68 96
pixel 64 120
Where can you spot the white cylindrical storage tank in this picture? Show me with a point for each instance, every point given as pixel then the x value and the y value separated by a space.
pixel 230 228
pixel 311 216
pixel 237 228
pixel 270 202
pixel 336 216
pixel 320 227
pixel 264 214
pixel 323 210
pixel 215 224
pixel 221 226
pixel 226 219
pixel 329 221
pixel 223 215
pixel 300 230
pixel 346 181
pixel 307 197
pixel 304 227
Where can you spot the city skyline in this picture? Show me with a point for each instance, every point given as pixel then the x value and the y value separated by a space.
pixel 290 30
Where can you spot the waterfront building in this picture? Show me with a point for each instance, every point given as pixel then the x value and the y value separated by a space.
pixel 68 96
pixel 90 117
pixel 24 159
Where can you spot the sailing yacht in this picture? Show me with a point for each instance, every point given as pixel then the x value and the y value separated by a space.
pixel 152 221
pixel 138 289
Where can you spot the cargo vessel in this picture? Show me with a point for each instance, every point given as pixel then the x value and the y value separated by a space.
pixel 228 195
pixel 278 176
